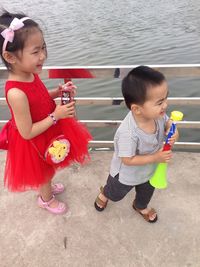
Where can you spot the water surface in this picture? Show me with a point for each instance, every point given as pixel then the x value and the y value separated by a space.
pixel 114 32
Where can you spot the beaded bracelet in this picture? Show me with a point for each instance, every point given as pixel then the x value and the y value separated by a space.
pixel 53 118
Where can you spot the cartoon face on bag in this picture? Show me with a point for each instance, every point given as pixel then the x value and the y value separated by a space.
pixel 59 150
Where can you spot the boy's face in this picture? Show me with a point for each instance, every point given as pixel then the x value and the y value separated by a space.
pixel 156 103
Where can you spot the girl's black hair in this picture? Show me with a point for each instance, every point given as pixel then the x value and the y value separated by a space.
pixel 137 82
pixel 20 35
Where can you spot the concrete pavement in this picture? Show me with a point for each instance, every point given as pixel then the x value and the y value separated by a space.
pixel 31 237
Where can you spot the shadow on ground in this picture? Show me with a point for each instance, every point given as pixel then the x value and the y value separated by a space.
pixel 31 237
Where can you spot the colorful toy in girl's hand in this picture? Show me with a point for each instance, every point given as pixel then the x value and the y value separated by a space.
pixel 66 96
pixel 159 179
pixel 67 93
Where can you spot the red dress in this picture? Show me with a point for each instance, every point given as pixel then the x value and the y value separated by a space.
pixel 25 169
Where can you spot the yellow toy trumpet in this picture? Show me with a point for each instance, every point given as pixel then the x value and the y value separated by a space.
pixel 159 178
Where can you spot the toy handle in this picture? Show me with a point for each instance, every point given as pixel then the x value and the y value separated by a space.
pixel 66 96
pixel 172 130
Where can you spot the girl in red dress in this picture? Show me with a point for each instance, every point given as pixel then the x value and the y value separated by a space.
pixel 36 120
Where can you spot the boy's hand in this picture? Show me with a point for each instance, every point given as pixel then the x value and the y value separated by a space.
pixel 174 138
pixel 163 156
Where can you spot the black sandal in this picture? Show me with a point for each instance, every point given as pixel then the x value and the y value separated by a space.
pixel 147 215
pixel 98 202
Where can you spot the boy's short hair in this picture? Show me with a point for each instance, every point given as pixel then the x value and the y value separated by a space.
pixel 137 82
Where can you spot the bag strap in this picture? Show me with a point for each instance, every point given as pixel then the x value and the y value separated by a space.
pixel 9 123
pixel 37 150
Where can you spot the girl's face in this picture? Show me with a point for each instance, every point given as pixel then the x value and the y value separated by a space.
pixel 33 55
pixel 156 104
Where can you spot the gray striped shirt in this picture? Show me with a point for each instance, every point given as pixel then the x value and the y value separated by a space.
pixel 130 140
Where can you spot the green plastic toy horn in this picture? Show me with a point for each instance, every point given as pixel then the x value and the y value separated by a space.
pixel 159 178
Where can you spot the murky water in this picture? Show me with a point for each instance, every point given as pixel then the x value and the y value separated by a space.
pixel 114 32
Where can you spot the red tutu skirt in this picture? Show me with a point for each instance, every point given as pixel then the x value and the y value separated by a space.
pixel 26 169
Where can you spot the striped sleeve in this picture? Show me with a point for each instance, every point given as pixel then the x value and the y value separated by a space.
pixel 126 144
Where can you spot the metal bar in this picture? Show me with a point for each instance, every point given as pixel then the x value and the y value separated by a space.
pixel 78 72
pixel 187 145
pixel 120 101
pixel 109 144
pixel 182 145
pixel 188 124
pixel 115 123
pixel 183 100
pixel 2 122
pixel 101 144
pixel 101 123
pixel 115 101
pixel 84 101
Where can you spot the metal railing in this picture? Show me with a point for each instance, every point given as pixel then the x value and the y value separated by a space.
pixel 112 72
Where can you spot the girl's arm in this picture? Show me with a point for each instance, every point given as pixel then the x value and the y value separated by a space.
pixel 138 160
pixel 20 107
pixel 54 93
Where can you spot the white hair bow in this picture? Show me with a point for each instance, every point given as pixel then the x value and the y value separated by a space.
pixel 9 33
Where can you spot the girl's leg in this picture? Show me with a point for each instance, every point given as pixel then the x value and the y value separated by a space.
pixel 47 199
pixel 46 191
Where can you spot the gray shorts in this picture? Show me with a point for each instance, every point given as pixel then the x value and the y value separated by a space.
pixel 115 191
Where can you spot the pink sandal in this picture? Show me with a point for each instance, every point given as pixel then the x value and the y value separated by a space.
pixel 60 209
pixel 57 188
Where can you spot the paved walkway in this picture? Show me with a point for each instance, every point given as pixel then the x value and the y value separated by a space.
pixel 31 237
